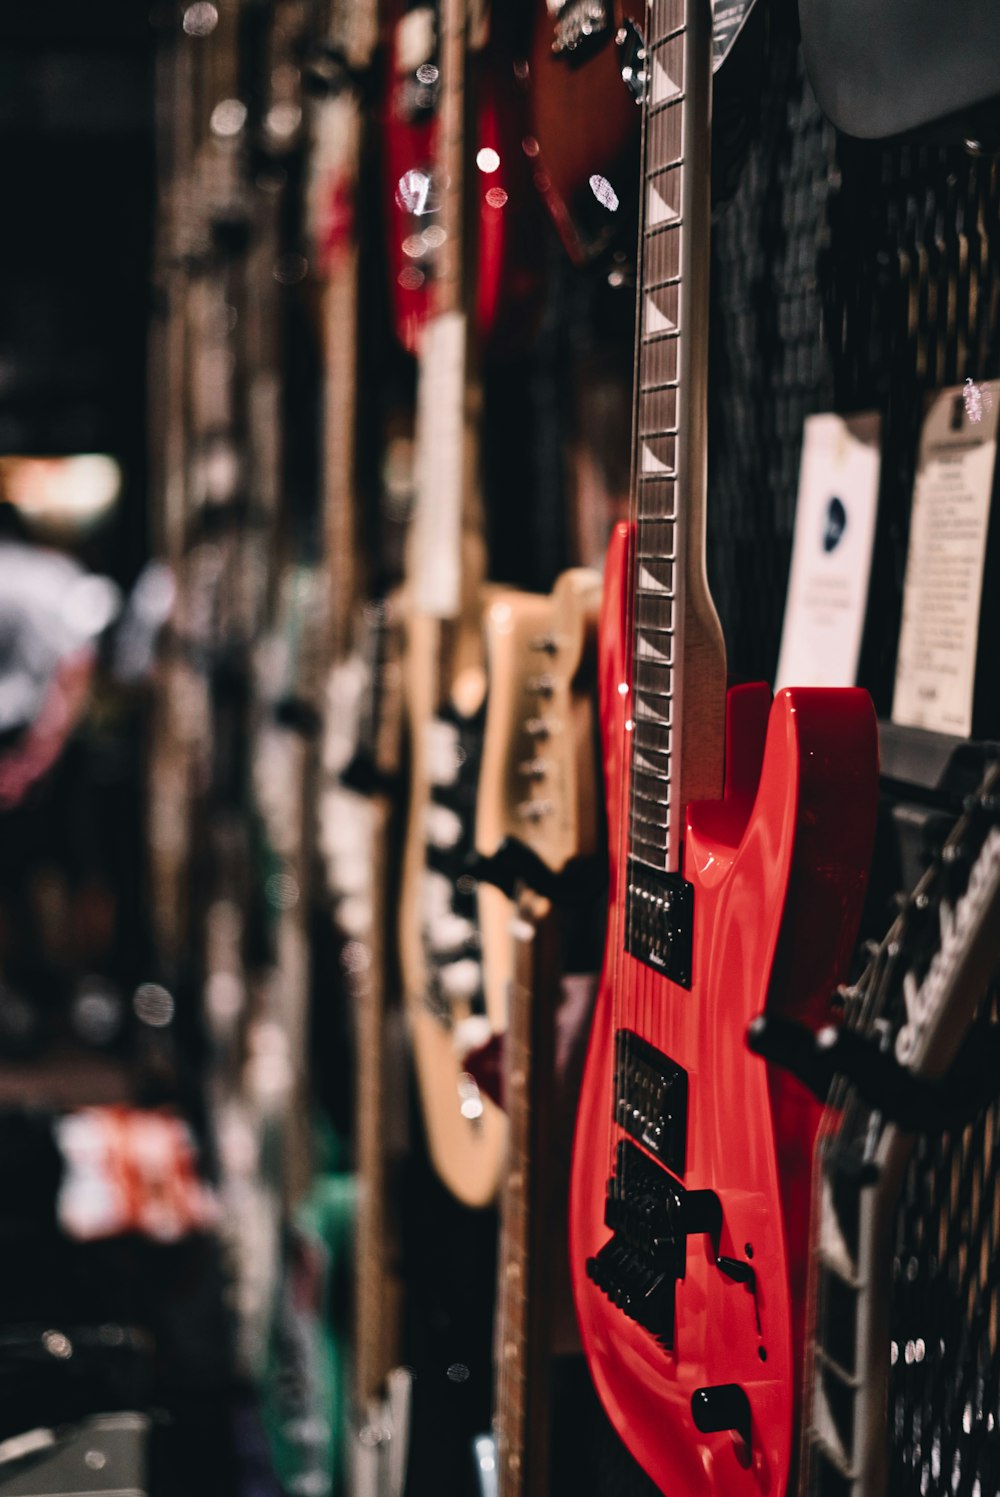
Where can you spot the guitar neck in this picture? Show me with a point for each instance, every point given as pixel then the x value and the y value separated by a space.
pixel 522 1333
pixel 338 141
pixel 377 1288
pixel 449 280
pixel 447 557
pixel 678 657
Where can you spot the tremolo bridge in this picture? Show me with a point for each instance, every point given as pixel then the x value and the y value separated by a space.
pixel 650 1214
pixel 651 1217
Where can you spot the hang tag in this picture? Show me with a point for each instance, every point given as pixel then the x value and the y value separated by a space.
pixel 436 530
pixel 831 551
pixel 942 591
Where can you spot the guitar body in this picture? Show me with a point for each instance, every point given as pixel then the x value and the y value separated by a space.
pixel 584 121
pixel 778 869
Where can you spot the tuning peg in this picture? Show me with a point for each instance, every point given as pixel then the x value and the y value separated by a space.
pixel 537 727
pixel 534 810
pixel 461 981
pixel 542 686
pixel 533 769
pixel 546 643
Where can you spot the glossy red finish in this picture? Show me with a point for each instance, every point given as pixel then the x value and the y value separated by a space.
pixel 779 868
pixel 508 276
pixel 584 122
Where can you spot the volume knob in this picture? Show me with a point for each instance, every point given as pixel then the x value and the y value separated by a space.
pixel 722 1407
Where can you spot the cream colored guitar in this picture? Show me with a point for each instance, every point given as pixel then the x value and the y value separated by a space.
pixel 538 776
pixel 533 792
pixel 445 682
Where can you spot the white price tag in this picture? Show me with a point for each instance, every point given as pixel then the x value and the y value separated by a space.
pixel 831 551
pixel 938 636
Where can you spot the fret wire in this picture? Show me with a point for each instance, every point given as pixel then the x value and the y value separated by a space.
pixel 656 801
pixel 654 231
pixel 652 833
pixel 665 104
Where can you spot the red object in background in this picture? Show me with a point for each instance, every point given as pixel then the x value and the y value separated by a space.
pixel 779 868
pixel 44 739
pixel 128 1170
pixel 585 131
pixel 508 274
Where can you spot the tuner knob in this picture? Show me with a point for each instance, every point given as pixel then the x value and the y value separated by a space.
pixel 537 727
pixel 534 769
pixel 546 643
pixel 461 980
pixel 725 1406
pixel 542 686
pixel 534 810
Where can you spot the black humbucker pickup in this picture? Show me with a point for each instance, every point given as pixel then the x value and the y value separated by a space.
pixel 651 1099
pixel 659 917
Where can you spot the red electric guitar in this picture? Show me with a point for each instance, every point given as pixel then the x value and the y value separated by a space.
pixel 507 218
pixel 740 832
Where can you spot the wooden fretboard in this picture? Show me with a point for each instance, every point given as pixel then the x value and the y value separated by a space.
pixel 523 1340
pixel 678 661
pixel 450 154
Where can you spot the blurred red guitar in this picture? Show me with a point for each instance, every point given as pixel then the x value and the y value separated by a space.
pixel 504 233
pixel 740 833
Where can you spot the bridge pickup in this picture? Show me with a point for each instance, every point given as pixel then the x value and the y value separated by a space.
pixel 651 1099
pixel 650 1216
pixel 660 917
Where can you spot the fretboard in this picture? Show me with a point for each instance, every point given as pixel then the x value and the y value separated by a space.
pixel 450 152
pixel 672 614
pixel 523 1331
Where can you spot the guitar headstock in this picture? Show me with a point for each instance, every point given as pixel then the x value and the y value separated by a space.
pixel 538 778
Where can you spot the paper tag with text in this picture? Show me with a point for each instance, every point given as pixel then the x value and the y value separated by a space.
pixel 831 551
pixel 942 590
